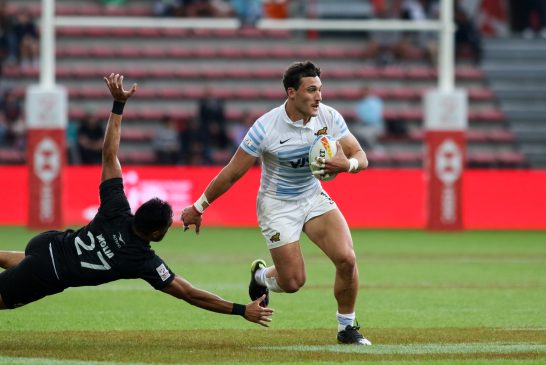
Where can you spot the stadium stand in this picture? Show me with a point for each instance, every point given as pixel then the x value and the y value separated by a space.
pixel 174 67
pixel 517 75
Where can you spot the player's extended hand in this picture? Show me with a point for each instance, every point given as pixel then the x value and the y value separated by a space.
pixel 258 314
pixel 190 216
pixel 115 85
pixel 338 163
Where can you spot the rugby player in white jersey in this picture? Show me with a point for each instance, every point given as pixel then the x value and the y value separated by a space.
pixel 290 199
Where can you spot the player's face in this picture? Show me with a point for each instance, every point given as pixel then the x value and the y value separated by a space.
pixel 307 97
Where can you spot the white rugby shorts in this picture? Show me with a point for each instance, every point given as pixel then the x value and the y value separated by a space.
pixel 281 221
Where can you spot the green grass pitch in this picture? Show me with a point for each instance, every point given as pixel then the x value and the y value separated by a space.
pixel 425 298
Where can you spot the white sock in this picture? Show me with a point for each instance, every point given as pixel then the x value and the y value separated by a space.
pixel 259 276
pixel 272 285
pixel 345 320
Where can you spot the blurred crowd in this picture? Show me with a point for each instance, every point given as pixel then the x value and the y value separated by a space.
pixel 209 139
pixel 248 11
pixel 18 38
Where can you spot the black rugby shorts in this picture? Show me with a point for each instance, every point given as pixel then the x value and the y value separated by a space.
pixel 34 277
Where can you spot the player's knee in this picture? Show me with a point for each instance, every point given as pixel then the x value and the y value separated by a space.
pixel 293 284
pixel 347 263
pixel 2 305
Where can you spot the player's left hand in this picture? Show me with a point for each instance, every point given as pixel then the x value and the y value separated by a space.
pixel 338 163
pixel 258 314
pixel 189 216
pixel 115 85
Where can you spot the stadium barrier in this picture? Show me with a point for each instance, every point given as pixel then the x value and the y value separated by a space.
pixel 377 198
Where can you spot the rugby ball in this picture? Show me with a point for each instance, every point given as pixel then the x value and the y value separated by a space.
pixel 323 146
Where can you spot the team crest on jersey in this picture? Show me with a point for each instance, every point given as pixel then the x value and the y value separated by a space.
pixel 276 237
pixel 322 131
pixel 164 274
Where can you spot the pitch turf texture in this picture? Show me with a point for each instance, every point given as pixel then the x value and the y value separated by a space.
pixel 425 298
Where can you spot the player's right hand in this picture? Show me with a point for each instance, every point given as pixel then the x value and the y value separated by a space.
pixel 189 217
pixel 254 312
pixel 115 85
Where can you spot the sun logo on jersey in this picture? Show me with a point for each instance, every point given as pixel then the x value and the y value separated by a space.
pixel 322 131
pixel 276 237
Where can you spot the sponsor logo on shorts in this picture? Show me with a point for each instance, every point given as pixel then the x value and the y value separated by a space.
pixel 321 131
pixel 164 274
pixel 276 237
pixel 327 197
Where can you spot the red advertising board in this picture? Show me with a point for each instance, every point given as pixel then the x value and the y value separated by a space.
pixel 445 124
pixel 377 198
pixel 444 162
pixel 46 112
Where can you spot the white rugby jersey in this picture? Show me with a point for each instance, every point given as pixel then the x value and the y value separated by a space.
pixel 284 146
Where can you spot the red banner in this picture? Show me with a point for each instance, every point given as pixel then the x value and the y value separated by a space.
pixel 377 198
pixel 444 168
pixel 46 155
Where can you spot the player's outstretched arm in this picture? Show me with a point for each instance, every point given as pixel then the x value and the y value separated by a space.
pixel 111 167
pixel 240 163
pixel 253 312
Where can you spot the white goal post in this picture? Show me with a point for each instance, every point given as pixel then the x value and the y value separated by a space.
pixel 445 108
pixel 444 26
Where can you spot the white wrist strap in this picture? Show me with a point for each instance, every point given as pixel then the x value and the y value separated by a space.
pixel 201 204
pixel 353 164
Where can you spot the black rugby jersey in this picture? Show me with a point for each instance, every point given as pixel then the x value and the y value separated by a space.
pixel 107 249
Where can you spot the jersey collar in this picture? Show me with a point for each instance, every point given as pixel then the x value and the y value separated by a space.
pixel 298 123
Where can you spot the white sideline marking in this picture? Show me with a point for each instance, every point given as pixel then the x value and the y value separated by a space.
pixel 414 349
pixel 9 360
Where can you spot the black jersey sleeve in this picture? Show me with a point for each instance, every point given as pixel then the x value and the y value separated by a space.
pixel 156 272
pixel 113 201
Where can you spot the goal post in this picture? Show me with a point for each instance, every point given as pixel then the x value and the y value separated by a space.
pixel 445 108
pixel 46 110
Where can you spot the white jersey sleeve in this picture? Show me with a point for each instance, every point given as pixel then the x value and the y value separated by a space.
pixel 254 139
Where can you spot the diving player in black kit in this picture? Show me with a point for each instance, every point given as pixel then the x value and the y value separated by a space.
pixel 114 245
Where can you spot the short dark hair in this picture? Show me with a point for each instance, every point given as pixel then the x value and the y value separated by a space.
pixel 153 215
pixel 293 74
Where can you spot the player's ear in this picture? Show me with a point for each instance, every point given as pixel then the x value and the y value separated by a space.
pixel 156 235
pixel 291 92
